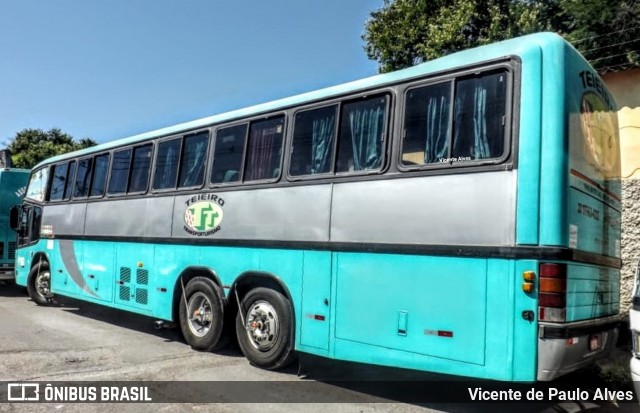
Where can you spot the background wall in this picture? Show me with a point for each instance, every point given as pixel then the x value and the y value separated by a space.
pixel 625 87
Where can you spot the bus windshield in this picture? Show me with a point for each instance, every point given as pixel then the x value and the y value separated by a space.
pixel 38 185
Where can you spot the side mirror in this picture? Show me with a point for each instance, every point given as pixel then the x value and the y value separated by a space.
pixel 14 217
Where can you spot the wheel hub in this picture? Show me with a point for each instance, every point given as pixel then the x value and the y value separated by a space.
pixel 42 284
pixel 201 318
pixel 262 325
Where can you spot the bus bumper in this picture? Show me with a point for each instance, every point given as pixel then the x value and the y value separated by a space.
pixel 7 273
pixel 566 347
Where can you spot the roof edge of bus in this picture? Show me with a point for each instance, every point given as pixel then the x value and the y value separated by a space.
pixel 461 58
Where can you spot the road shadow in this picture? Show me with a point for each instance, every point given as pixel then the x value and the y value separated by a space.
pixel 376 384
pixel 131 321
pixel 11 289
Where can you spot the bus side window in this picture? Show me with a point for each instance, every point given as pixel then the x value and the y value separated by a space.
pixel 70 175
pixel 194 151
pixel 264 149
pixel 83 178
pixel 166 173
pixel 140 169
pixel 120 172
pixel 36 221
pixel 362 128
pixel 228 153
pixel 100 169
pixel 479 110
pixel 314 135
pixel 426 125
pixel 59 181
pixel 29 226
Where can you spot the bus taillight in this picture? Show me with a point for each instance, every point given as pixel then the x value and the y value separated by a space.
pixel 552 299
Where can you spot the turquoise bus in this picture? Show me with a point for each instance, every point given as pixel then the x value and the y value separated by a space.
pixel 461 216
pixel 13 183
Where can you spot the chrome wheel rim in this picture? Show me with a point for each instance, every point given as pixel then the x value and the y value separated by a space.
pixel 43 284
pixel 200 314
pixel 262 325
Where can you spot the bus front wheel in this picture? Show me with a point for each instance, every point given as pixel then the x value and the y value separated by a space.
pixel 264 327
pixel 39 284
pixel 202 314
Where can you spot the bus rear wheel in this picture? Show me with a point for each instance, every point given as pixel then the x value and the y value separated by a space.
pixel 202 314
pixel 39 284
pixel 264 327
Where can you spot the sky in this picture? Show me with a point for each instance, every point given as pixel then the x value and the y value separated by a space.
pixel 112 69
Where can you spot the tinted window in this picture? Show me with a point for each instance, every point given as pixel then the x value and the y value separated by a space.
pixel 30 215
pixel 58 182
pixel 427 123
pixel 264 149
pixel 70 176
pixel 479 117
pixel 227 157
pixel 362 127
pixel 36 223
pixel 100 170
pixel 313 142
pixel 471 126
pixel 166 173
pixel 140 168
pixel 83 178
pixel 192 163
pixel 120 172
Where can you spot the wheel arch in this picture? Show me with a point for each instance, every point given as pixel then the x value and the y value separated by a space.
pixel 183 279
pixel 36 293
pixel 249 280
pixel 39 257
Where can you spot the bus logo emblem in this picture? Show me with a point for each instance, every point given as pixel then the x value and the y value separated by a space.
pixel 203 218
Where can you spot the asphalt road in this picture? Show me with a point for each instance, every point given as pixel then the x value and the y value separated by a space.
pixel 77 341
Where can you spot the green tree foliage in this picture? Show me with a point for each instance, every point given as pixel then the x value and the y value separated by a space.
pixel 30 146
pixel 607 32
pixel 406 32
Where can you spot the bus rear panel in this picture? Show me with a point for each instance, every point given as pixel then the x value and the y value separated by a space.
pixel 579 300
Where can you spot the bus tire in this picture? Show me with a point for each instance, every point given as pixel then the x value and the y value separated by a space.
pixel 266 337
pixel 39 284
pixel 202 315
